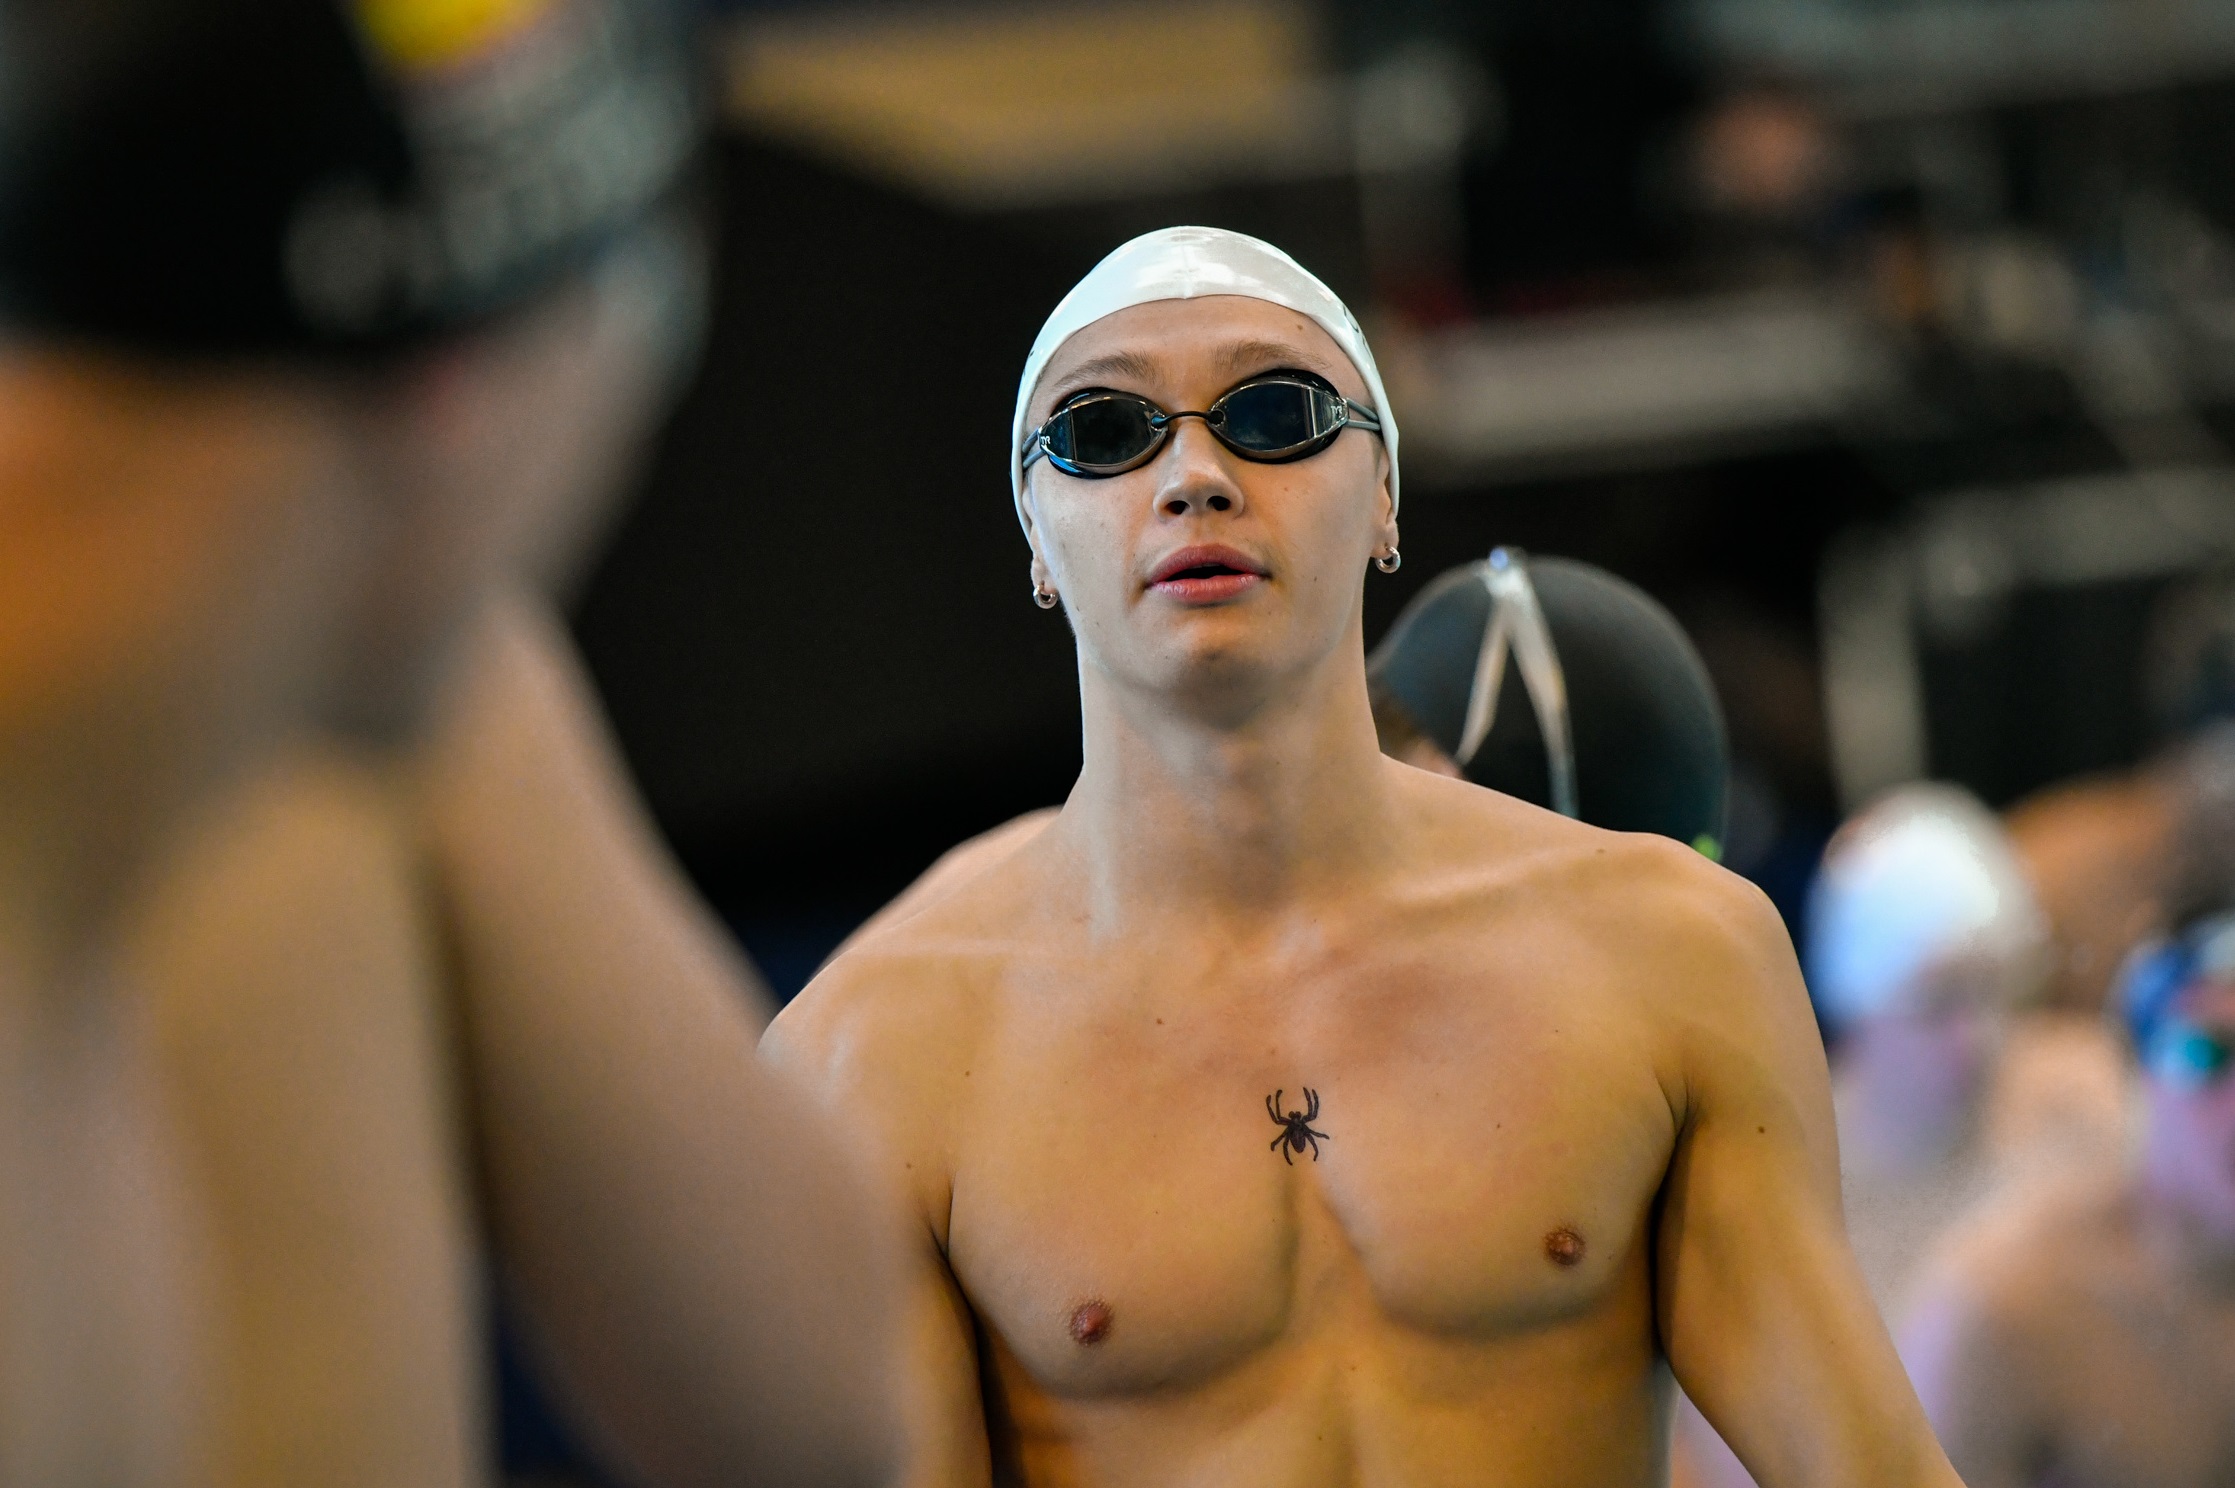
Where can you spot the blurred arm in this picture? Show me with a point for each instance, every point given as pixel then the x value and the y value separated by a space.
pixel 882 1061
pixel 707 1276
pixel 1971 1374
pixel 306 1060
pixel 1764 1313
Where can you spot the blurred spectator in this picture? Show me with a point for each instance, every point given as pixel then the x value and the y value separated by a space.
pixel 1764 173
pixel 2087 1335
pixel 1924 939
pixel 2097 850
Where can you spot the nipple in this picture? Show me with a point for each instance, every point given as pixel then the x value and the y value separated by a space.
pixel 1563 1247
pixel 1090 1323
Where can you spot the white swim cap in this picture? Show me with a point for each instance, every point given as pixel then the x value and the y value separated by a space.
pixel 1186 263
pixel 1922 881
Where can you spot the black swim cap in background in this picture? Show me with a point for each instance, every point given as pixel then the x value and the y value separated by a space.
pixel 324 177
pixel 1650 750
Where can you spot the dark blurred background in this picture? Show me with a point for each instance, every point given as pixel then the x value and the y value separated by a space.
pixel 1892 345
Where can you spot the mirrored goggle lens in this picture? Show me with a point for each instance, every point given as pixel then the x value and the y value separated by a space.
pixel 1104 431
pixel 1278 417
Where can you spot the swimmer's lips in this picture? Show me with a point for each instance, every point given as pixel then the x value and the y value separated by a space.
pixel 1206 575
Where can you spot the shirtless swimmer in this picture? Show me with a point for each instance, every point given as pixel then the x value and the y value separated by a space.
pixel 1282 1114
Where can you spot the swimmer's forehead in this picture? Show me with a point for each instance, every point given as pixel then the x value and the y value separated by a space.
pixel 1167 346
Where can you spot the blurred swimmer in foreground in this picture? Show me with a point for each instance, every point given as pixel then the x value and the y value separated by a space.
pixel 1283 1114
pixel 320 327
pixel 2085 1337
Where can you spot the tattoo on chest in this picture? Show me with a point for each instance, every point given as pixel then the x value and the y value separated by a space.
pixel 1296 1129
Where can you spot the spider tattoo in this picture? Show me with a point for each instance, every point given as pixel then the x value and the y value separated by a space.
pixel 1296 1130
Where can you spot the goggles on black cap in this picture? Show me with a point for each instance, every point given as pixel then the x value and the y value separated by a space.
pixel 299 176
pixel 1615 723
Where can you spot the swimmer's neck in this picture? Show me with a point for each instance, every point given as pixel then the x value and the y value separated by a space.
pixel 1242 812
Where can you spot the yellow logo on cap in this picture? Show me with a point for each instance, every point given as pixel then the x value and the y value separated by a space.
pixel 435 33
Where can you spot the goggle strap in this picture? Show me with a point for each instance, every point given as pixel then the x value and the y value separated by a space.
pixel 1517 624
pixel 1488 683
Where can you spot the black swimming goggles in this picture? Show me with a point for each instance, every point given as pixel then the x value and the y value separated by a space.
pixel 1272 419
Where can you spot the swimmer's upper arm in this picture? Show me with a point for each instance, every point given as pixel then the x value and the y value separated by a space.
pixel 870 1036
pixel 1763 1312
pixel 945 1407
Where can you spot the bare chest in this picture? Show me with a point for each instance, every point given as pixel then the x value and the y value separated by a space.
pixel 1158 1184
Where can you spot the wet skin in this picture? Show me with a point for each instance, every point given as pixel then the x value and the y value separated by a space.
pixel 1572 1111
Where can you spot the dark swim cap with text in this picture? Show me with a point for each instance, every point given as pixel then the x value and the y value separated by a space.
pixel 340 177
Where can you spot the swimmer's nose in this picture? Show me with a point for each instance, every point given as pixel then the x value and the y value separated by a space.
pixel 1196 474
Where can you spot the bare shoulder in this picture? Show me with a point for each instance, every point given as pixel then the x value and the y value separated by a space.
pixel 1686 955
pixel 1649 897
pixel 898 998
pixel 928 974
pixel 885 1034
